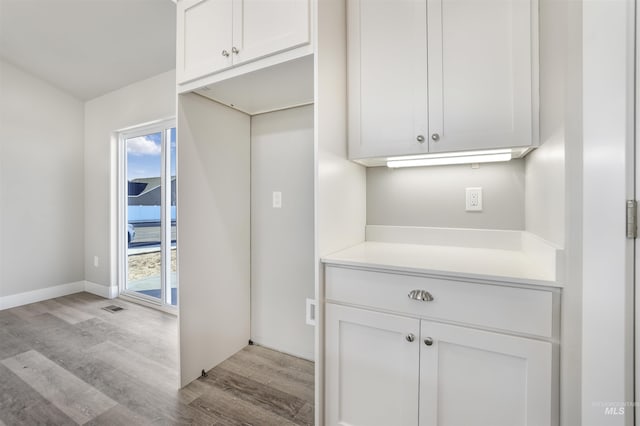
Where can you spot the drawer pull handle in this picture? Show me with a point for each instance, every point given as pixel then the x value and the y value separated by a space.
pixel 421 295
pixel 410 337
pixel 428 341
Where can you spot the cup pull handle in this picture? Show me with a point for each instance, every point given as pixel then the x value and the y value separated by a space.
pixel 420 295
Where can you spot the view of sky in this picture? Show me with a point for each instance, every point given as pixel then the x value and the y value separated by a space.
pixel 144 155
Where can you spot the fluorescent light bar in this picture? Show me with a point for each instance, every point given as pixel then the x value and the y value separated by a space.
pixel 443 159
pixel 451 154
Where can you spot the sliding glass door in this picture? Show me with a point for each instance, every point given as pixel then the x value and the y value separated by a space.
pixel 148 213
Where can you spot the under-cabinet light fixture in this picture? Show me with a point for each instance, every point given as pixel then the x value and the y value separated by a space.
pixel 467 157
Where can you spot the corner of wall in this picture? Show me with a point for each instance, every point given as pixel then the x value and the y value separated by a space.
pixel 108 292
pixel 545 167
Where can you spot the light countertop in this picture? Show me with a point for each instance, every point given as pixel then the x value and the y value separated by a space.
pixel 530 263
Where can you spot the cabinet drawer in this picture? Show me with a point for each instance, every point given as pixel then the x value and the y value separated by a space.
pixel 520 310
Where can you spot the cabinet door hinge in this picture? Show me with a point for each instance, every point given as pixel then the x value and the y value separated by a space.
pixel 632 219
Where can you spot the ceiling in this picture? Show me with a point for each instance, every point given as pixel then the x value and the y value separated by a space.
pixel 89 47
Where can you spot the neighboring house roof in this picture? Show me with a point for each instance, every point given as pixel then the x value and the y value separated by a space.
pixel 150 183
pixel 147 192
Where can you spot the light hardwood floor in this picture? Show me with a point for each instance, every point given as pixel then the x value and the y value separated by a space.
pixel 67 361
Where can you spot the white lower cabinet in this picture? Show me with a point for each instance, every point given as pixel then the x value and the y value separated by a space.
pixel 371 368
pixel 408 369
pixel 479 378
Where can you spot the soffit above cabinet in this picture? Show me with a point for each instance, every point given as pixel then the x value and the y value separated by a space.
pixel 280 86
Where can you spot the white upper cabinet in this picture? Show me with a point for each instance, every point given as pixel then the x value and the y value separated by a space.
pixel 204 34
pixel 214 35
pixel 262 28
pixel 480 74
pixel 441 76
pixel 387 48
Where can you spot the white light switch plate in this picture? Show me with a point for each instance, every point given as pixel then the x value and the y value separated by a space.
pixel 311 312
pixel 474 199
pixel 277 199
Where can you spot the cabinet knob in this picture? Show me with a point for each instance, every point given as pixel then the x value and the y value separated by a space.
pixel 428 341
pixel 225 53
pixel 420 138
pixel 235 50
pixel 435 137
pixel 410 337
pixel 421 295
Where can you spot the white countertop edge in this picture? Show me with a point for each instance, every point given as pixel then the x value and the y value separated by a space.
pixel 438 273
pixel 543 261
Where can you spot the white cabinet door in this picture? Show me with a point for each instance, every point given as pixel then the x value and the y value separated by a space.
pixel 371 368
pixel 266 27
pixel 480 73
pixel 479 378
pixel 387 48
pixel 204 31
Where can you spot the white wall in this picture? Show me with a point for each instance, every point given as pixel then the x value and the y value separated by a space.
pixel 41 184
pixel 340 185
pixel 282 269
pixel 571 314
pixel 554 188
pixel 435 196
pixel 214 203
pixel 545 171
pixel 607 316
pixel 545 188
pixel 139 103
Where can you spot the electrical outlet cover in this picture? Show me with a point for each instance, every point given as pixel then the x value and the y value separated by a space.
pixel 474 199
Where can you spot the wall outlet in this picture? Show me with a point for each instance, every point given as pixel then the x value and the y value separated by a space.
pixel 96 261
pixel 474 199
pixel 277 199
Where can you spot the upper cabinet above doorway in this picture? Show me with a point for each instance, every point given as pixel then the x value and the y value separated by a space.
pixel 219 40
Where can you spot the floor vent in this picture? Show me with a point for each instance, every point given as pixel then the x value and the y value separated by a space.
pixel 113 308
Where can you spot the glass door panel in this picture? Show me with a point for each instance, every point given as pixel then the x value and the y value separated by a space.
pixel 172 285
pixel 150 215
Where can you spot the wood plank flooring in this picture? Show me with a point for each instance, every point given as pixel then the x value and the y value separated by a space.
pixel 66 361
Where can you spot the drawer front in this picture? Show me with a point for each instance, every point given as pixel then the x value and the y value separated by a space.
pixel 520 310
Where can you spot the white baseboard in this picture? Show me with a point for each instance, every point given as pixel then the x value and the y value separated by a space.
pixel 34 296
pixel 14 300
pixel 110 292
